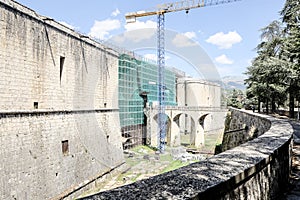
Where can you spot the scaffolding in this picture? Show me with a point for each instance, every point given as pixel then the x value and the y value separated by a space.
pixel 136 77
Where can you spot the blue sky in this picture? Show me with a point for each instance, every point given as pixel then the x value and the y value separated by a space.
pixel 228 33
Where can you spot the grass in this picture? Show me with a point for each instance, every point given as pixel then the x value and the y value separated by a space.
pixel 130 176
pixel 165 157
pixel 136 177
pixel 185 139
pixel 132 162
pixel 174 165
pixel 141 149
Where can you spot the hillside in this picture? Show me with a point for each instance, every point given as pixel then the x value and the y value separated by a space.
pixel 234 82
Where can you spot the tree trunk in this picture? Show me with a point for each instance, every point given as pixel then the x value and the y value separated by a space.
pixel 258 106
pixel 291 103
pixel 273 105
pixel 267 106
pixel 292 97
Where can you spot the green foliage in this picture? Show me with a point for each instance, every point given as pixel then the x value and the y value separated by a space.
pixel 227 122
pixel 235 98
pixel 141 149
pixel 275 72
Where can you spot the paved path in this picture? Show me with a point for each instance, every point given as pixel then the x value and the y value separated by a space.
pixel 294 193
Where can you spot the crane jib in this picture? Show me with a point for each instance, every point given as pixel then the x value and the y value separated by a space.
pixel 177 6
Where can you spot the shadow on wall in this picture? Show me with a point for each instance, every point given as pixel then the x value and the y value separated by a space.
pixel 240 128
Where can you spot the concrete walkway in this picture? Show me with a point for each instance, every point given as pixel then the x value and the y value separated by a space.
pixel 294 192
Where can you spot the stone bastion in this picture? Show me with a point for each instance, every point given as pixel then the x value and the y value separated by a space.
pixel 257 169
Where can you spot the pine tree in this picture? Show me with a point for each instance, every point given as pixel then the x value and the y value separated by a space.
pixel 275 71
pixel 291 50
pixel 265 71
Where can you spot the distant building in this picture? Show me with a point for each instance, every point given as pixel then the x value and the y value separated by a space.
pixel 197 92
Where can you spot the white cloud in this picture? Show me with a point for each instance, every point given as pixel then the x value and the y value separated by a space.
pixel 191 35
pixel 223 59
pixel 140 25
pixel 184 40
pixel 67 25
pixel 115 13
pixel 102 28
pixel 224 41
pixel 139 30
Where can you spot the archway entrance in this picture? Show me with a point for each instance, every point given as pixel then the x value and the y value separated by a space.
pixel 167 127
pixel 186 125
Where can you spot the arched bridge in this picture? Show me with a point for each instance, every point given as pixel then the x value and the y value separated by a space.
pixel 193 120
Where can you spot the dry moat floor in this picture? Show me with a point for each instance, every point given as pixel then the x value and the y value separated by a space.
pixel 143 162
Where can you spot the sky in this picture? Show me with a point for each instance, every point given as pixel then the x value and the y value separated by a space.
pixel 227 34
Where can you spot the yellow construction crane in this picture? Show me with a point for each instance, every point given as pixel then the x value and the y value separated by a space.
pixel 174 7
pixel 160 12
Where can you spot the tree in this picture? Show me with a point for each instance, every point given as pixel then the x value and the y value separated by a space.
pixel 262 82
pixel 235 98
pixel 290 13
pixel 291 49
pixel 275 71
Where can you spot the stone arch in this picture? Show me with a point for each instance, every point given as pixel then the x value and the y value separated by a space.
pixel 177 117
pixel 182 120
pixel 201 120
pixel 168 127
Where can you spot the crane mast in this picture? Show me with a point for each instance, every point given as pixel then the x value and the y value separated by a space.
pixel 161 81
pixel 160 12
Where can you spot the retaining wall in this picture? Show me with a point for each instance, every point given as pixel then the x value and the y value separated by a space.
pixel 242 128
pixel 257 169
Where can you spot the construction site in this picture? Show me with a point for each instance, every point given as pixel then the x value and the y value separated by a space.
pixel 138 105
pixel 137 91
pixel 71 105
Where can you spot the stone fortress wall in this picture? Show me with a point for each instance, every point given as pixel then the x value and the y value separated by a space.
pixel 59 120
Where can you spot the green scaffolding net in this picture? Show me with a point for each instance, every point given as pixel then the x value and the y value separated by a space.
pixel 137 76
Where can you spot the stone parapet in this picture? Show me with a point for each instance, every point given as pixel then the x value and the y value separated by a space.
pixel 257 169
